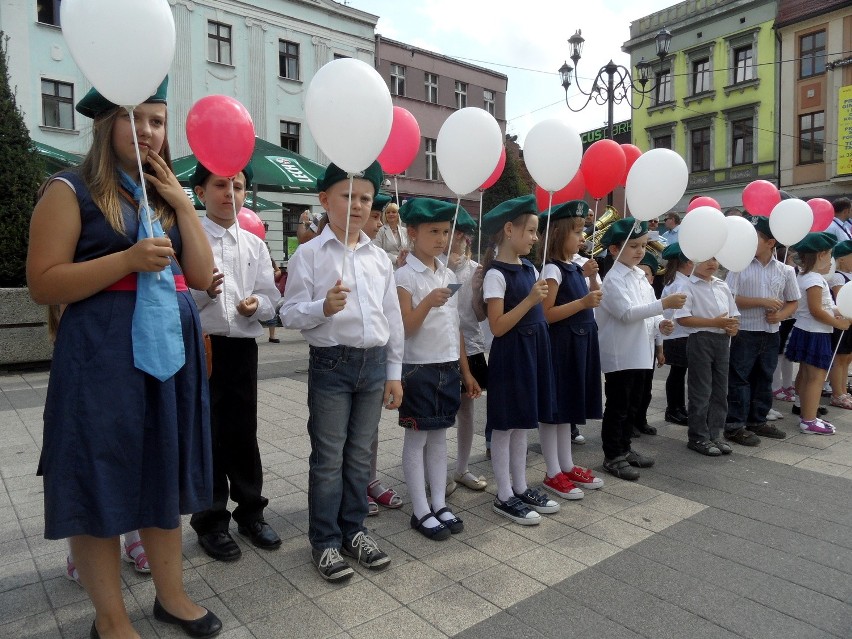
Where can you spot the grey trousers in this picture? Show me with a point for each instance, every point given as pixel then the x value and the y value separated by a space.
pixel 708 355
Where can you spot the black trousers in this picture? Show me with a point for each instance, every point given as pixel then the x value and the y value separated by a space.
pixel 627 397
pixel 237 471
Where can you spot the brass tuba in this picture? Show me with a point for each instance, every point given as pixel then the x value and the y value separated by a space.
pixel 609 216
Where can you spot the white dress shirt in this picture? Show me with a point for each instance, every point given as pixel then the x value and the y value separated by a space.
pixel 679 284
pixel 839 229
pixel 775 280
pixel 627 319
pixel 707 299
pixel 248 272
pixel 804 319
pixel 371 316
pixel 437 339
pixel 474 340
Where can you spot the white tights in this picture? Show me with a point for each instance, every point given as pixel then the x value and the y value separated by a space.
pixel 509 459
pixel 434 442
pixel 783 377
pixel 464 428
pixel 556 447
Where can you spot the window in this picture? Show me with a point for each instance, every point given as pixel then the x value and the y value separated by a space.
pixel 662 142
pixel 288 60
pixel 290 135
pixel 742 141
pixel 488 97
pixel 700 148
pixel 431 159
pixel 340 56
pixel 743 64
pixel 218 42
pixel 431 83
pixel 397 79
pixel 701 76
pixel 663 87
pixel 461 94
pixel 48 11
pixel 57 104
pixel 811 137
pixel 812 53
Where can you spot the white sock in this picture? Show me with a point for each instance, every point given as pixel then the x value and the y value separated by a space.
pixel 500 463
pixel 518 459
pixel 563 439
pixel 786 371
pixel 777 377
pixel 464 428
pixel 549 450
pixel 131 537
pixel 415 476
pixel 436 469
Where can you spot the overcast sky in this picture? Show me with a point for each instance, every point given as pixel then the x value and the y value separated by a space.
pixel 526 41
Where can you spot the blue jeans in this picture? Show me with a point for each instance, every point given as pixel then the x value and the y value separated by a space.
pixel 345 390
pixel 754 356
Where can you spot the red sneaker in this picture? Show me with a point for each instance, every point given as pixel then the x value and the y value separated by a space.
pixel 584 478
pixel 562 486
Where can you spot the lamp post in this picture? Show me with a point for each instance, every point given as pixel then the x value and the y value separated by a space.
pixel 613 83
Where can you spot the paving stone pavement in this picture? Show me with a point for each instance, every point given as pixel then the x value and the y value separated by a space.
pixel 756 544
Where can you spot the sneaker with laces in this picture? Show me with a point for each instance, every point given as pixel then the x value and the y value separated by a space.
pixel 514 509
pixel 365 549
pixel 562 486
pixel 539 502
pixel 330 564
pixel 842 401
pixel 816 427
pixel 584 478
pixel 827 424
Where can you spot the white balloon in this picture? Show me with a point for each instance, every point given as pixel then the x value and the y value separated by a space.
pixel 656 182
pixel 844 300
pixel 124 47
pixel 791 220
pixel 350 112
pixel 740 245
pixel 468 149
pixel 702 233
pixel 553 151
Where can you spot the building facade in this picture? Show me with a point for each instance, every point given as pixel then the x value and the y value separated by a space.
pixel 816 118
pixel 432 86
pixel 714 98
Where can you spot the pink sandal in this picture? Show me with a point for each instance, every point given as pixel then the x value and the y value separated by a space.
pixel 139 559
pixel 383 495
pixel 71 571
pixel 372 507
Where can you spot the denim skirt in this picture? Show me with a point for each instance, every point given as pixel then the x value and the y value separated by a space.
pixel 431 395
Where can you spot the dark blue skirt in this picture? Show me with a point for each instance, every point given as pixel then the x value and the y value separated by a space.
pixel 576 373
pixel 431 395
pixel 122 450
pixel 809 348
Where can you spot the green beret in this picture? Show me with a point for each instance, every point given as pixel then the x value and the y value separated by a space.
pixel 334 174
pixel 202 173
pixel 465 223
pixel 423 210
pixel 94 104
pixel 761 225
pixel 509 210
pixel 651 262
pixel 622 230
pixel 815 243
pixel 673 252
pixel 842 249
pixel 574 208
pixel 381 201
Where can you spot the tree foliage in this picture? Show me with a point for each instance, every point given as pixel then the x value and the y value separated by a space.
pixel 21 172
pixel 513 181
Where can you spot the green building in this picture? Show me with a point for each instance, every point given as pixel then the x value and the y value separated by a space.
pixel 714 97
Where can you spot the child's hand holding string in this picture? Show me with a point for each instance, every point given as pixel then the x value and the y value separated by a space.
pixel 335 299
pixel 675 300
pixel 438 297
pixel 592 299
pixel 150 255
pixel 538 292
pixel 590 268
pixel 841 322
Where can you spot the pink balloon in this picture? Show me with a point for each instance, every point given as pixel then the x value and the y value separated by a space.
pixel 403 143
pixel 220 133
pixel 760 197
pixel 498 171
pixel 631 154
pixel 703 200
pixel 574 190
pixel 603 167
pixel 823 213
pixel 251 222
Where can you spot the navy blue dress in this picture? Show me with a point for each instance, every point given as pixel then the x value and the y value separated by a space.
pixel 520 375
pixel 121 449
pixel 576 358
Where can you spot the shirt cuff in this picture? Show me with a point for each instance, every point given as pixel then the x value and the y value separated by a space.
pixel 315 310
pixel 393 372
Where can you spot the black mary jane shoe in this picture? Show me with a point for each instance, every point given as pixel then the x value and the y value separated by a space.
pixel 207 626
pixel 455 524
pixel 436 533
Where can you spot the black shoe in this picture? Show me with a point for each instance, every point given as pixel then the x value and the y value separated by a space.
pixel 455 524
pixel 220 545
pixel 676 417
pixel 634 433
pixel 742 437
pixel 767 430
pixel 261 535
pixel 646 429
pixel 436 533
pixel 207 626
pixel 638 460
pixel 821 410
pixel 93 633
pixel 705 448
pixel 621 468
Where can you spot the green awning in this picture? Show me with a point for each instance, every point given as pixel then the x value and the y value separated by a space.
pixel 56 160
pixel 262 204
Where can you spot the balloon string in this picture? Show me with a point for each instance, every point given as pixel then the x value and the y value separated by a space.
pixel 346 235
pixel 237 231
pixel 785 254
pixel 621 250
pixel 828 372
pixel 624 208
pixel 479 241
pixel 141 176
pixel 694 266
pixel 396 190
pixel 546 233
pixel 452 237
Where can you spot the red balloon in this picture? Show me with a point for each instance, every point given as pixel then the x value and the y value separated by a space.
pixel 251 222
pixel 760 197
pixel 498 171
pixel 403 143
pixel 574 190
pixel 603 167
pixel 823 213
pixel 220 133
pixel 703 200
pixel 631 154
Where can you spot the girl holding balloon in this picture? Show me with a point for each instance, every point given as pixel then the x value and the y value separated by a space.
pixel 126 438
pixel 841 340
